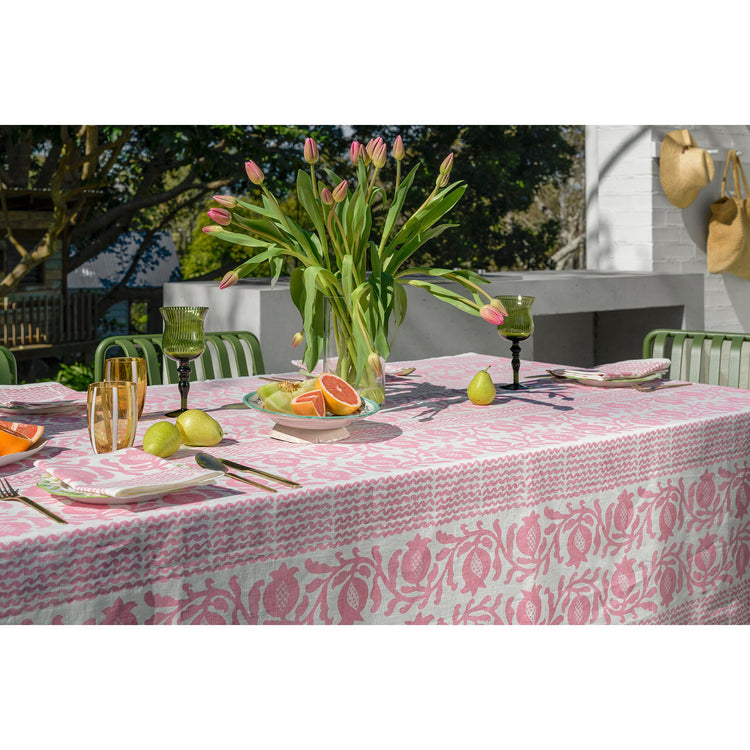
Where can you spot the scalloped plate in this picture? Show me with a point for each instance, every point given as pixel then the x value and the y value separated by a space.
pixel 12 457
pixel 300 422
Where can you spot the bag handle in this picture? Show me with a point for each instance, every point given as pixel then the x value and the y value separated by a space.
pixel 737 169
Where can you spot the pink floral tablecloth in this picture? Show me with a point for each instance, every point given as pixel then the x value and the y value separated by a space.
pixel 564 503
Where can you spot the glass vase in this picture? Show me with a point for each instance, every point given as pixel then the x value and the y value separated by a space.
pixel 340 356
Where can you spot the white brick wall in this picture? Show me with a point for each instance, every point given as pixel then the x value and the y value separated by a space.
pixel 632 226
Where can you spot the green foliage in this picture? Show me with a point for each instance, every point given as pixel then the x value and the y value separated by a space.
pixel 77 376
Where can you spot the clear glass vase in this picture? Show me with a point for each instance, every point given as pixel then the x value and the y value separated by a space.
pixel 340 357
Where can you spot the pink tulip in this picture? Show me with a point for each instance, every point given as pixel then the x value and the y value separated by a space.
pixel 226 200
pixel 230 279
pixel 326 196
pixel 498 306
pixel 311 151
pixel 212 229
pixel 379 155
pixel 398 148
pixel 354 150
pixel 492 315
pixel 254 172
pixel 220 216
pixel 339 192
pixel 298 338
pixel 372 145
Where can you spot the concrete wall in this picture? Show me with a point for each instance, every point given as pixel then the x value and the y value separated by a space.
pixel 632 226
pixel 581 318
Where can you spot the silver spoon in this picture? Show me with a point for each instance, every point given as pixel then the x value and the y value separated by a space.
pixel 207 461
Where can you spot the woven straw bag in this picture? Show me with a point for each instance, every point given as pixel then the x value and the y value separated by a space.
pixel 728 244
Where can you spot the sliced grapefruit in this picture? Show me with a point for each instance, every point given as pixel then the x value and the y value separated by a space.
pixel 16 437
pixel 310 404
pixel 341 398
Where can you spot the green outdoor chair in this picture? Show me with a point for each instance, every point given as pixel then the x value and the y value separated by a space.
pixel 8 369
pixel 709 357
pixel 215 362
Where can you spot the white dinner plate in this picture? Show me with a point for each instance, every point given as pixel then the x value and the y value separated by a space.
pixel 300 422
pixel 11 458
pixel 56 487
pixel 54 408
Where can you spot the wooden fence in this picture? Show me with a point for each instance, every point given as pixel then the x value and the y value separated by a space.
pixel 47 320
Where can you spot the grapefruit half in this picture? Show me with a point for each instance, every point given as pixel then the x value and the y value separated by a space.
pixel 310 404
pixel 16 437
pixel 340 397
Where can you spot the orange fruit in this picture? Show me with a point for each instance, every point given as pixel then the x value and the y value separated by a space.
pixel 310 404
pixel 16 437
pixel 341 398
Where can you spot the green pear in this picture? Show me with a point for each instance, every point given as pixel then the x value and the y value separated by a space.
pixel 481 390
pixel 162 439
pixel 199 428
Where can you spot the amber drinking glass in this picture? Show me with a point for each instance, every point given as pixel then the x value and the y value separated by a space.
pixel 128 368
pixel 183 341
pixel 516 327
pixel 112 415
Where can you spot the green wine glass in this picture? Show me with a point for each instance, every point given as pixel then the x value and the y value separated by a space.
pixel 183 341
pixel 517 326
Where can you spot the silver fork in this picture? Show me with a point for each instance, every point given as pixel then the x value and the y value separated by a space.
pixel 8 493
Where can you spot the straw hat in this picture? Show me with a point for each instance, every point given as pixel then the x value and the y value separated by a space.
pixel 683 168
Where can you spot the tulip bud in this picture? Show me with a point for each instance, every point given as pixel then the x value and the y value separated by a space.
pixel 230 279
pixel 339 192
pixel 373 144
pixel 354 150
pixel 311 151
pixel 379 155
pixel 442 180
pixel 492 315
pixel 212 229
pixel 375 363
pixel 398 148
pixel 498 306
pixel 226 200
pixel 254 172
pixel 447 164
pixel 298 338
pixel 220 216
pixel 326 196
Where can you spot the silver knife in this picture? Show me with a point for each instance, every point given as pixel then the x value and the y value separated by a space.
pixel 260 472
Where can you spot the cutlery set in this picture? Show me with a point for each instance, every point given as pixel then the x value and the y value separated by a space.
pixel 207 461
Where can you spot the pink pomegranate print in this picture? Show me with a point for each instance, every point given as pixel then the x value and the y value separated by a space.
pixel 579 610
pixel 530 607
pixel 667 520
pixel 624 511
pixel 475 569
pixel 120 613
pixel 742 558
pixel 529 535
pixel 623 579
pixel 667 585
pixel 706 491
pixel 352 599
pixel 579 543
pixel 742 500
pixel 282 592
pixel 705 555
pixel 416 560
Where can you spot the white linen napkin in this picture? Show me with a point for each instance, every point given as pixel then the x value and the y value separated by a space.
pixel 629 369
pixel 128 472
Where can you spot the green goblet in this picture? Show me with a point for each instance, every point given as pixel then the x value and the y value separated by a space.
pixel 517 327
pixel 183 341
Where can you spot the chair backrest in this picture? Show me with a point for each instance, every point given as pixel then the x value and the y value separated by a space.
pixel 228 354
pixel 8 368
pixel 712 357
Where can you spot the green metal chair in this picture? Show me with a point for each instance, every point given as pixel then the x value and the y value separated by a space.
pixel 711 357
pixel 8 368
pixel 214 363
